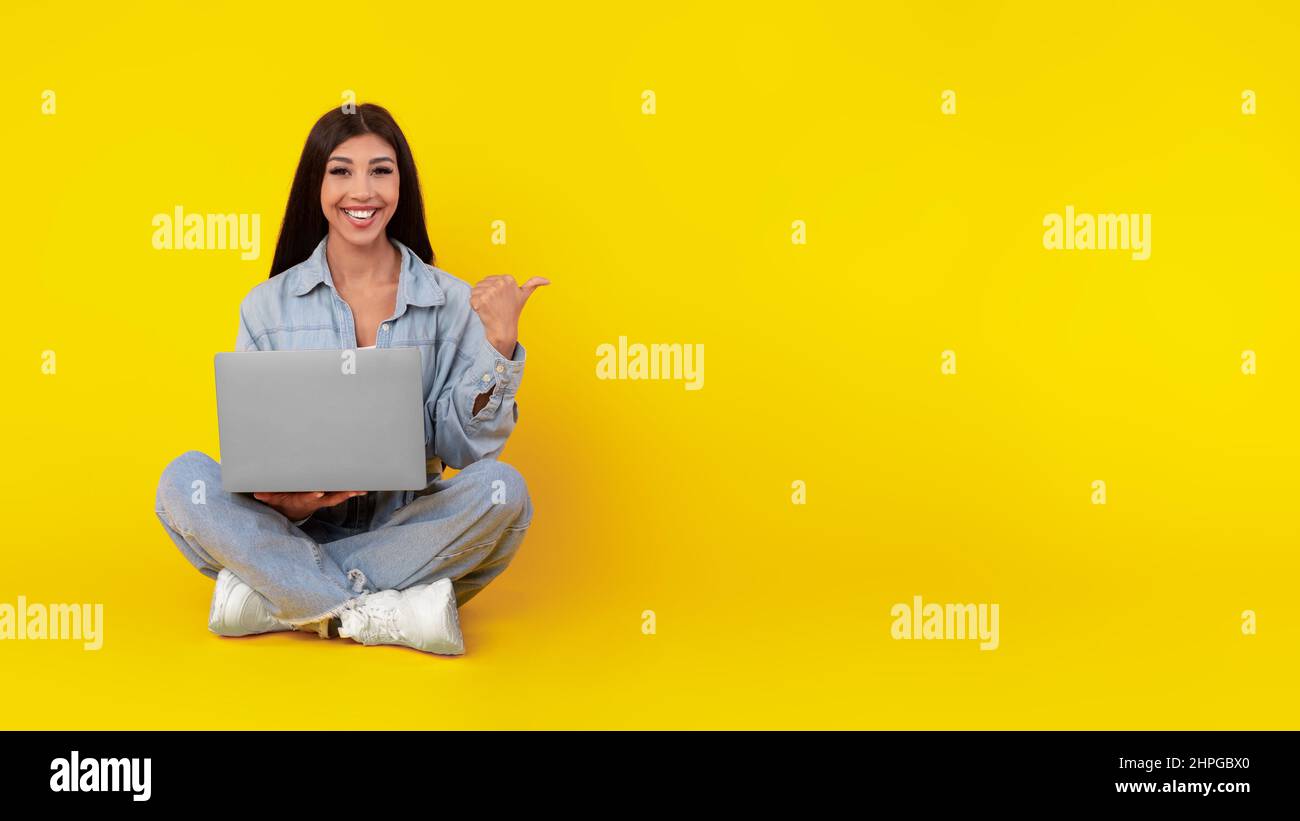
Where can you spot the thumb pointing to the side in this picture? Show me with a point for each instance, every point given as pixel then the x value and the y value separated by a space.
pixel 532 285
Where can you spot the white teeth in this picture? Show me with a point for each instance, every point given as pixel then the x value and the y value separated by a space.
pixel 360 215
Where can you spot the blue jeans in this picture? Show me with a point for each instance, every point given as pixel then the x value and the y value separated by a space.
pixel 466 528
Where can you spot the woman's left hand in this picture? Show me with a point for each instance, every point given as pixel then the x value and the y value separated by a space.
pixel 498 301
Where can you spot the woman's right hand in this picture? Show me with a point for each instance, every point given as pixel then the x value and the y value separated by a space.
pixel 298 505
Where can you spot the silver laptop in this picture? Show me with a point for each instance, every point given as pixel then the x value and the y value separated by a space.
pixel 321 420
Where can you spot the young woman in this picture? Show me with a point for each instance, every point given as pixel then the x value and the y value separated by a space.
pixel 354 268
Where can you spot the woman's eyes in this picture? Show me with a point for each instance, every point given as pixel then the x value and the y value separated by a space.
pixel 339 170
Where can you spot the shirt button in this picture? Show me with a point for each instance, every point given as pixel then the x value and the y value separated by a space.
pixel 487 378
pixel 385 326
pixel 501 368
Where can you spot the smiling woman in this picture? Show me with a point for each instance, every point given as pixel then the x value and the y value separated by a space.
pixel 353 268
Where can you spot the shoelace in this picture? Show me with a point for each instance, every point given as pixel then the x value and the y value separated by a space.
pixel 377 621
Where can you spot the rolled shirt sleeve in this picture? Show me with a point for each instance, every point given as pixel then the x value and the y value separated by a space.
pixel 462 437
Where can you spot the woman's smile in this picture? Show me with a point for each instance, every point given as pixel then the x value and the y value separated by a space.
pixel 361 216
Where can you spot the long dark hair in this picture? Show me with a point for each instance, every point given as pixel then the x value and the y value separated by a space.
pixel 304 224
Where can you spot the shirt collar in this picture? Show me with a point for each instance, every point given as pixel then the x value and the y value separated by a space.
pixel 415 281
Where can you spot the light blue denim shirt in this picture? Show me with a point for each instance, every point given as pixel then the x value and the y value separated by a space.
pixel 300 309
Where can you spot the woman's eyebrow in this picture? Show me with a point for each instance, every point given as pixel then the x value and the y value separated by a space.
pixel 372 162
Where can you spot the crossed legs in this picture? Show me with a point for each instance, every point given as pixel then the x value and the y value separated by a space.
pixel 466 528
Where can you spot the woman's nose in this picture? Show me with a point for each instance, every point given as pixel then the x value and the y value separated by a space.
pixel 361 186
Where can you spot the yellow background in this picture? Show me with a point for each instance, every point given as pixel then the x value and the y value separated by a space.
pixel 822 361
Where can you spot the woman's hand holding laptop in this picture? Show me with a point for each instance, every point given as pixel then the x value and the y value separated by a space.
pixel 295 506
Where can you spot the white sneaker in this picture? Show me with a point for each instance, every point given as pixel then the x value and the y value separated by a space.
pixel 423 617
pixel 239 610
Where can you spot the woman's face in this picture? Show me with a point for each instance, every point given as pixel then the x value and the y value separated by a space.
pixel 359 193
